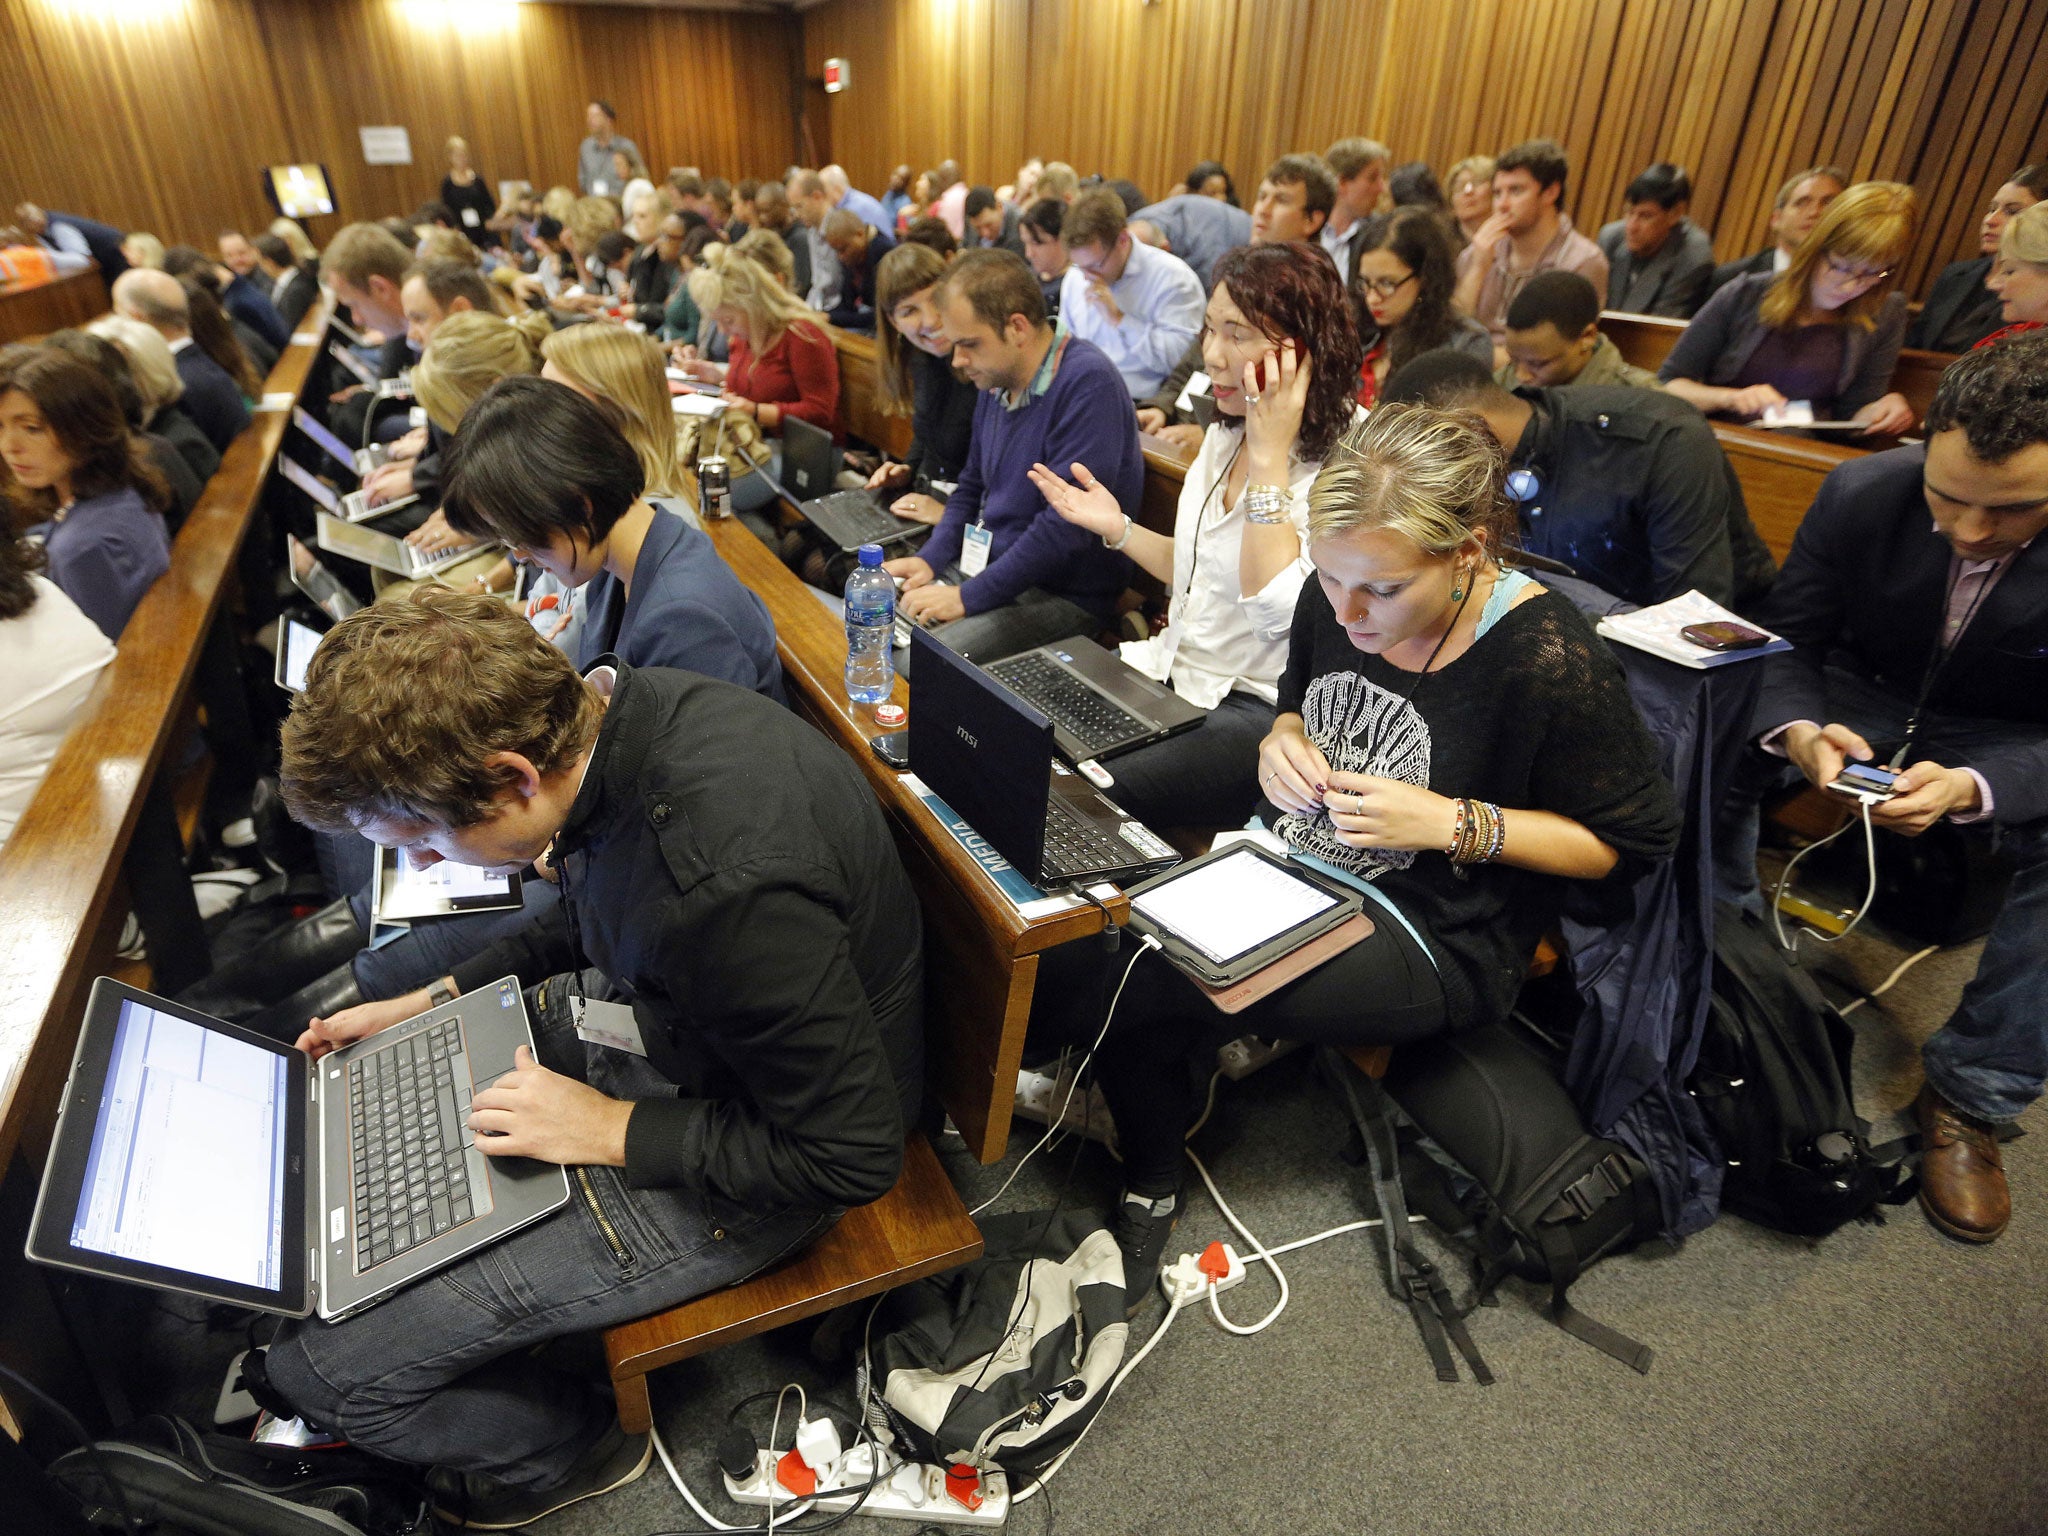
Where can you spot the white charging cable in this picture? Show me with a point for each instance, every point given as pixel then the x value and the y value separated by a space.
pixel 1791 945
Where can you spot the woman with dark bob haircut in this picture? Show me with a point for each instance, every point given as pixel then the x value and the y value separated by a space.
pixel 1402 278
pixel 1279 346
pixel 70 474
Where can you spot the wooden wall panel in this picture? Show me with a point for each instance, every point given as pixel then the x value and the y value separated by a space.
pixel 164 121
pixel 1947 94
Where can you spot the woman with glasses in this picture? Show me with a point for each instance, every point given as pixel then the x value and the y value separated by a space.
pixel 1826 330
pixel 1401 282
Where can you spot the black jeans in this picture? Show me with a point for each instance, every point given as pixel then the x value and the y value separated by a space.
pixel 1162 1043
pixel 1206 777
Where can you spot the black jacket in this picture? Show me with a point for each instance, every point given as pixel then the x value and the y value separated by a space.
pixel 857 285
pixel 176 427
pixel 1960 311
pixel 1866 587
pixel 211 398
pixel 1765 260
pixel 651 283
pixel 1634 494
pixel 730 873
pixel 298 296
pixel 941 421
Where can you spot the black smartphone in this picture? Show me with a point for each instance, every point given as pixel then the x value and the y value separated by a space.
pixel 893 749
pixel 1723 636
pixel 1861 779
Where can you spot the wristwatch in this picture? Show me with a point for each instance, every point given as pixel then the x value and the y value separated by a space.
pixel 440 992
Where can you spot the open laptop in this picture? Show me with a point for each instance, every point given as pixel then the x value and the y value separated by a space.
pixel 386 551
pixel 989 755
pixel 848 518
pixel 296 643
pixel 196 1156
pixel 319 584
pixel 1099 704
pixel 357 461
pixel 354 507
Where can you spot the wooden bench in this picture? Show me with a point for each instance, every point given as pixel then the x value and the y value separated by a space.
pixel 26 313
pixel 61 869
pixel 919 1228
pixel 860 410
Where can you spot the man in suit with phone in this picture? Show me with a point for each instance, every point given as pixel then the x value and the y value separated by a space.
pixel 1917 590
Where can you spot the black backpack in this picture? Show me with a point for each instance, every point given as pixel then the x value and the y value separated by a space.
pixel 173 1478
pixel 1773 1082
pixel 1514 1173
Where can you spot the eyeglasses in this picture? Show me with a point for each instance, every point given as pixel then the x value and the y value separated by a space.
pixel 1849 272
pixel 1385 287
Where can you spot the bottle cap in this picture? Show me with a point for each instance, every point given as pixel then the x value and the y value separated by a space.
pixel 889 714
pixel 871 554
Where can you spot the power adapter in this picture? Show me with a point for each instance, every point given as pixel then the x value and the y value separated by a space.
pixel 1186 1279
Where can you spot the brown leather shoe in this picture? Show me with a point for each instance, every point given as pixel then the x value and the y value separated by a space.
pixel 1962 1178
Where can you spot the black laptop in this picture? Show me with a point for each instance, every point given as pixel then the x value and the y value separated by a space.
pixel 989 755
pixel 848 518
pixel 1099 704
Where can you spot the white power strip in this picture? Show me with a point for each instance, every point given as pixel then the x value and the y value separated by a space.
pixel 913 1491
pixel 1039 1098
pixel 1240 1058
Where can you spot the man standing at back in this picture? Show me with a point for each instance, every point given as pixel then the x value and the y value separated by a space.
pixel 1294 202
pixel 1360 166
pixel 158 300
pixel 594 155
pixel 1659 262
pixel 1003 572
pixel 1529 233
pixel 1141 306
pixel 809 201
pixel 841 193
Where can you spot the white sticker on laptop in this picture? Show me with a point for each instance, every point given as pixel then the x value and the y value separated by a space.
pixel 610 1024
pixel 974 547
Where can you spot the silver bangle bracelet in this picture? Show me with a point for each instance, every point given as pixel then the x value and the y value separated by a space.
pixel 1122 538
pixel 1265 504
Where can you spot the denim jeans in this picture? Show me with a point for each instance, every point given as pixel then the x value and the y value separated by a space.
pixel 443 1372
pixel 433 946
pixel 1991 1058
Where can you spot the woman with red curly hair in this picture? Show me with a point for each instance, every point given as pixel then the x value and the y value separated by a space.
pixel 1280 348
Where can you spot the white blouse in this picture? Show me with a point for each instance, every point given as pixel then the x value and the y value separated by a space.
pixel 1217 638
pixel 50 656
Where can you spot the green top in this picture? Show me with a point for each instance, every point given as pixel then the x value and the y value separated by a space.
pixel 1605 366
pixel 681 321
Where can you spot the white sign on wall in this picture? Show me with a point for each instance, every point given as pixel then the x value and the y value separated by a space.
pixel 386 146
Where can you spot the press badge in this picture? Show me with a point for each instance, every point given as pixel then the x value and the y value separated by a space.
pixel 609 1024
pixel 470 219
pixel 974 549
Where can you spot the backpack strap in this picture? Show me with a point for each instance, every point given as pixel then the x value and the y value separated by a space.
pixel 1412 1278
pixel 1562 1260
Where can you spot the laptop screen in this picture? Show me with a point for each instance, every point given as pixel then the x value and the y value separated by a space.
pixel 807 459
pixel 310 424
pixel 187 1165
pixel 983 750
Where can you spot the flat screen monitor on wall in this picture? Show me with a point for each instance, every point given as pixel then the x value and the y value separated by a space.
pixel 298 191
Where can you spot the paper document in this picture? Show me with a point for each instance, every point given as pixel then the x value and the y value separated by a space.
pixel 1656 630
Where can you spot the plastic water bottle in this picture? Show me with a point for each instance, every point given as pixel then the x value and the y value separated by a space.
pixel 870 625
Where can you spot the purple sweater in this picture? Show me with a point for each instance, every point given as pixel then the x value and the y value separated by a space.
pixel 1085 414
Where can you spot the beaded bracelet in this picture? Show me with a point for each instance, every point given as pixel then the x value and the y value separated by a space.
pixel 1479 832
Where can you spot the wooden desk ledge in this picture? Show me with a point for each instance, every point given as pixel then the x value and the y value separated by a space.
pixel 919 1228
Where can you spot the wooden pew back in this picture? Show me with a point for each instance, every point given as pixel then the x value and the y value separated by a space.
pixel 59 870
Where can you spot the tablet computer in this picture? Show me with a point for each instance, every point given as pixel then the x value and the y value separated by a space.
pixel 402 891
pixel 1235 911
pixel 296 643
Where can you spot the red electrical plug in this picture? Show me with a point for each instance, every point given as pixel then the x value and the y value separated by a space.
pixel 1214 1262
pixel 795 1474
pixel 963 1485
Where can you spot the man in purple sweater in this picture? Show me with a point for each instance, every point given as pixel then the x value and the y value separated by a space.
pixel 1003 572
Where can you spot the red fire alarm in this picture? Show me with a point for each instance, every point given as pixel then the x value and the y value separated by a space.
pixel 837 75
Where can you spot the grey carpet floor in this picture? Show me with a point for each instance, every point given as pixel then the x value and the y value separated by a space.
pixel 1883 1382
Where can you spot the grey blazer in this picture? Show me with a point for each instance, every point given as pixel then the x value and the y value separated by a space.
pixel 1723 335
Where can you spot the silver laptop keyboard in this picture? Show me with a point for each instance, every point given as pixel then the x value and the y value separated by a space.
pixel 1076 846
pixel 1094 721
pixel 408 1124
